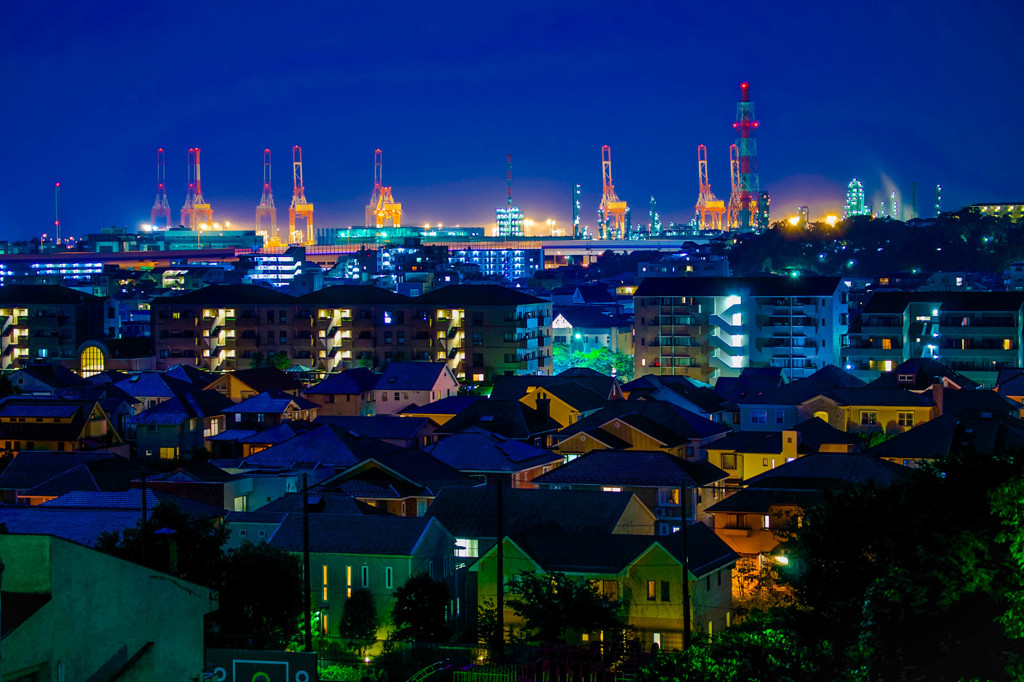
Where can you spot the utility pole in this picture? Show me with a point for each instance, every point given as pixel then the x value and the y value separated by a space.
pixel 306 597
pixel 145 519
pixel 499 648
pixel 686 568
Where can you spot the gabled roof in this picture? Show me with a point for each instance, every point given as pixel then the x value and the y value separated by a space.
pixel 411 376
pixel 949 434
pixel 451 405
pixel 184 406
pixel 476 294
pixel 321 502
pixel 422 474
pixel 262 379
pixel 1010 382
pixel 515 387
pixel 228 294
pixel 477 450
pixel 132 499
pixel 577 396
pixel 634 468
pixel 974 402
pixel 83 526
pixel 270 402
pixel 814 433
pixel 32 408
pixel 153 385
pixel 509 418
pixel 828 469
pixel 925 372
pixel 800 391
pixel 752 382
pixel 383 426
pixel 54 376
pixel 327 445
pixel 350 382
pixel 667 423
pixel 472 512
pixel 882 397
pixel 32 468
pixel 191 374
pixel 352 534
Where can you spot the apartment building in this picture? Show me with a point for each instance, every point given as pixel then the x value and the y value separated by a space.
pixel 975 333
pixel 488 331
pixel 707 327
pixel 480 331
pixel 46 322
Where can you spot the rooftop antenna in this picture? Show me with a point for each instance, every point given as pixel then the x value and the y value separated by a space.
pixel 56 210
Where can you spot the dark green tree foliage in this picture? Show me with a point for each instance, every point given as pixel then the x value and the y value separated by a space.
pixel 359 616
pixel 419 610
pixel 259 587
pixel 956 242
pixel 279 360
pixel 602 360
pixel 196 546
pixel 903 580
pixel 557 608
pixel 756 651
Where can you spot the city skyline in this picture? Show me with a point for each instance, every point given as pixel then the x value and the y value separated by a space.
pixel 448 99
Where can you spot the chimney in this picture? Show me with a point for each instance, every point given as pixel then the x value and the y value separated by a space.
pixel 937 397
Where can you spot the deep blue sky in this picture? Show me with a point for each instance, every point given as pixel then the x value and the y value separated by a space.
pixel 911 91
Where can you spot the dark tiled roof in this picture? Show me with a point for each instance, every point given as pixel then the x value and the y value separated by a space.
pixel 132 499
pixel 354 294
pixel 828 469
pixel 321 503
pixel 761 500
pixel 515 387
pixel 327 445
pixel 228 294
pixel 185 406
pixel 191 374
pixel 411 376
pixel 973 402
pixel 670 424
pixel 423 469
pixel 926 372
pixel 800 391
pixel 383 426
pixel 472 512
pixel 83 526
pixel 261 379
pixel 450 405
pixel 577 396
pixel 724 286
pixel 270 402
pixel 153 385
pixel 54 376
pixel 111 474
pixel 352 534
pixel 477 450
pixel 28 294
pixel 350 382
pixel 32 468
pixel 814 433
pixel 888 397
pixel 477 294
pixel 509 418
pixel 635 468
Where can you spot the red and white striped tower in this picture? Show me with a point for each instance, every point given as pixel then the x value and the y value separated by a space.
pixel 746 142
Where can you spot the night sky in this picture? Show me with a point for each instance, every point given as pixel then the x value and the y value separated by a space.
pixel 888 92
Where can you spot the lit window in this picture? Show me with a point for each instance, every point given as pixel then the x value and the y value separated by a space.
pixel 767 520
pixel 868 418
pixel 324 593
pixel 905 418
pixel 465 547
pixel 609 489
pixel 348 581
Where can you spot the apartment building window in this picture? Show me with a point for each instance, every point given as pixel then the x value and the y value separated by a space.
pixel 868 418
pixel 886 344
pixel 478 338
pixel 283 317
pixel 478 318
pixel 652 590
pixel 478 359
pixel 759 416
pixel 780 416
pixel 1007 344
pixel 905 418
pixel 270 336
pixel 270 317
pixel 284 337
pixel 401 338
pixel 387 338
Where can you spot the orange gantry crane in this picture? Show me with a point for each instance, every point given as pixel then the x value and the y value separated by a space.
pixel 735 203
pixel 300 207
pixel 265 209
pixel 611 206
pixel 382 209
pixel 709 208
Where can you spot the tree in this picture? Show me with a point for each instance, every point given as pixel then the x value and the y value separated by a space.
pixel 279 360
pixel 260 598
pixel 359 616
pixel 557 608
pixel 419 611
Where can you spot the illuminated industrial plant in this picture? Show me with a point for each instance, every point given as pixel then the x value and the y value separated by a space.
pixel 710 210
pixel 300 208
pixel 383 210
pixel 744 202
pixel 611 208
pixel 265 209
pixel 508 221
pixel 855 200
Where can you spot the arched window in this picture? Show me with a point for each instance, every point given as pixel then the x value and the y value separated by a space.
pixel 823 416
pixel 92 361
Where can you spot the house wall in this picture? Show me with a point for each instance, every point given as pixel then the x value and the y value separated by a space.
pixel 102 612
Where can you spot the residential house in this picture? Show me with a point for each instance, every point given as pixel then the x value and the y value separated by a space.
pixel 405 432
pixel 949 435
pixel 566 403
pixel 328 447
pixel 779 408
pixel 268 409
pixel 243 384
pixel 746 454
pixel 376 553
pixel 412 383
pixel 43 378
pixel 509 418
pixel 40 423
pixel 659 479
pixel 178 428
pixel 641 425
pixel 401 482
pixel 441 411
pixel 749 519
pixel 73 613
pixel 515 387
pixel 347 394
pixel 642 573
pixel 35 477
